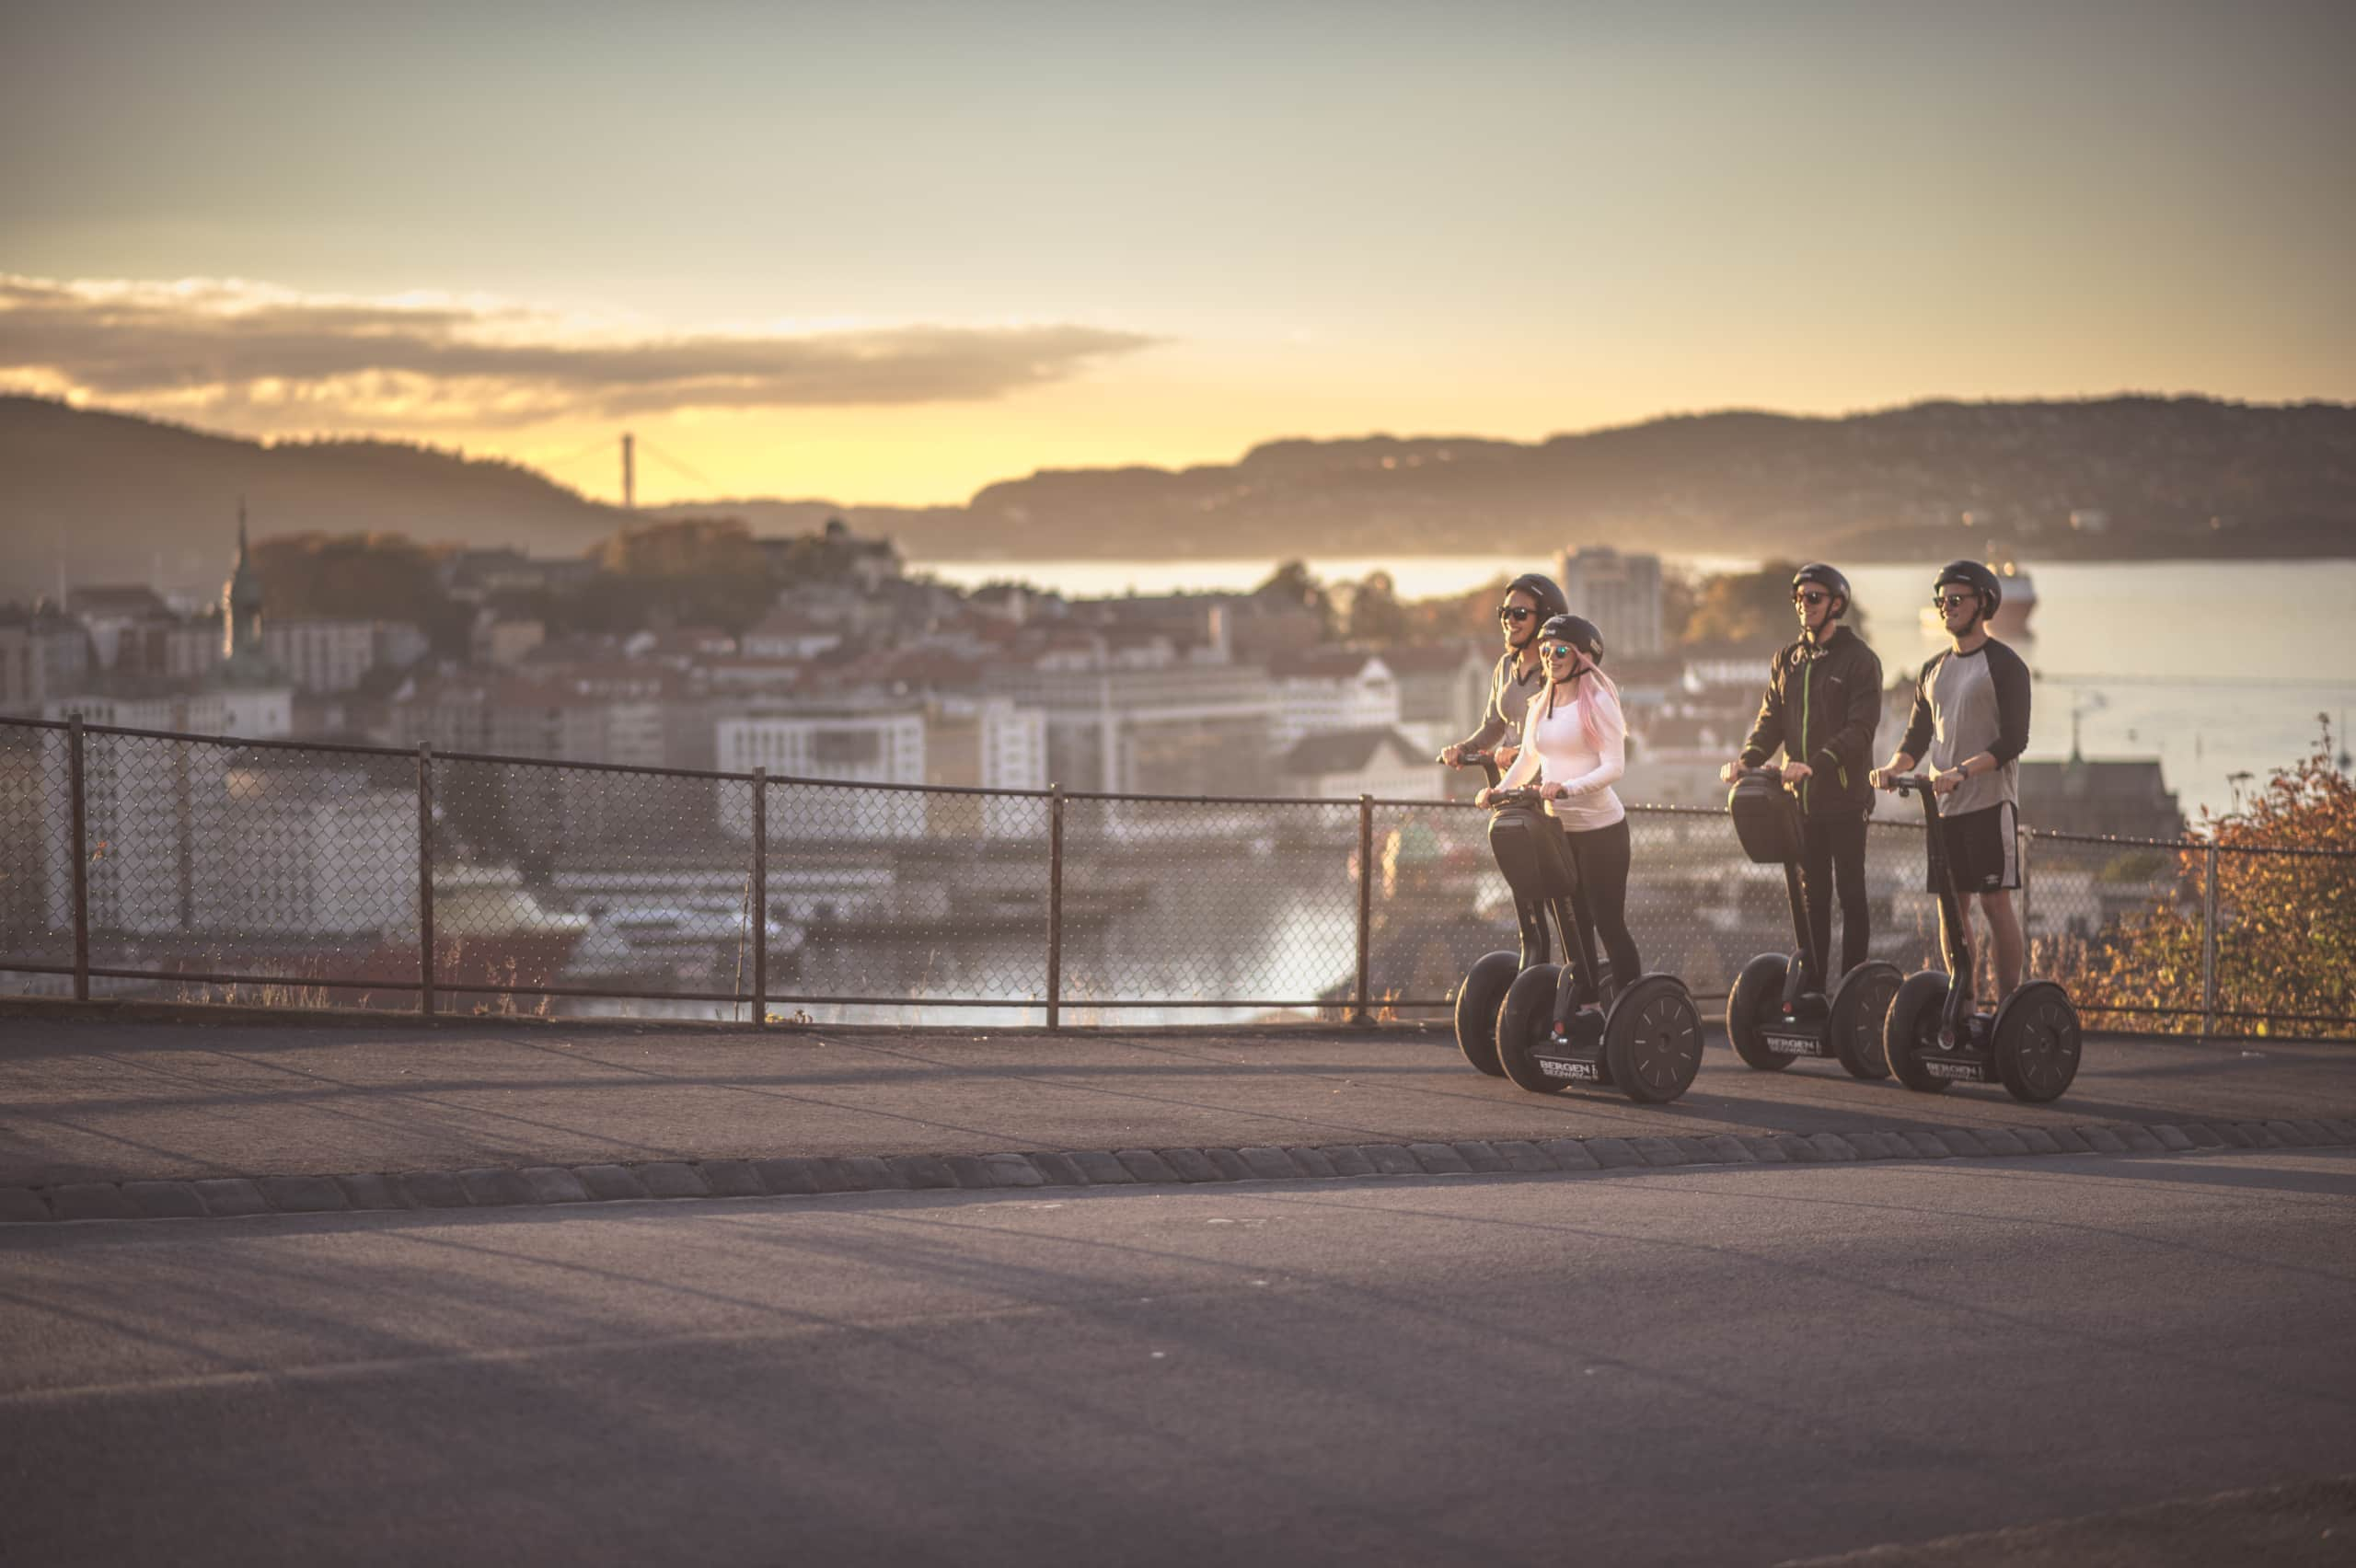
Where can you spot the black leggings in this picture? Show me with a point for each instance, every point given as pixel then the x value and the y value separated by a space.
pixel 1833 862
pixel 1602 856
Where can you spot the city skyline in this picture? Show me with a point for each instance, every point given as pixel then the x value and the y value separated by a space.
pixel 891 256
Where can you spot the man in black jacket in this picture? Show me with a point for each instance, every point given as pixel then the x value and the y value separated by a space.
pixel 1823 700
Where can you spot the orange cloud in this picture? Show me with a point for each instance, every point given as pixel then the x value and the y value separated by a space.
pixel 257 357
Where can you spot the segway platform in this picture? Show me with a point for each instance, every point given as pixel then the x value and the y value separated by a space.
pixel 1775 1016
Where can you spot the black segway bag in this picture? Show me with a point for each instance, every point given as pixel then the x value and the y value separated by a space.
pixel 1767 820
pixel 1530 852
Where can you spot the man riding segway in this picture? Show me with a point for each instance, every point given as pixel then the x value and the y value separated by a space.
pixel 1822 703
pixel 1970 726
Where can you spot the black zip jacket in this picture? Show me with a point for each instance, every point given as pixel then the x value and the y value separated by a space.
pixel 1821 707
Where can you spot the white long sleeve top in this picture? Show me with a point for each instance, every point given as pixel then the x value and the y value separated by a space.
pixel 1555 748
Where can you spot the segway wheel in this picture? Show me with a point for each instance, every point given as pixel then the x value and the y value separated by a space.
pixel 1757 991
pixel 2036 1038
pixel 1860 1005
pixel 1652 1039
pixel 1911 1029
pixel 1477 1001
pixel 1522 1022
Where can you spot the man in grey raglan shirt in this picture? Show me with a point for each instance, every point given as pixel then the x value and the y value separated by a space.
pixel 1520 674
pixel 1971 713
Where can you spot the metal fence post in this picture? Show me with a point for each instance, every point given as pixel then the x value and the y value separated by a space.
pixel 1366 897
pixel 81 859
pixel 2209 944
pixel 760 911
pixel 426 999
pixel 1054 905
pixel 2022 838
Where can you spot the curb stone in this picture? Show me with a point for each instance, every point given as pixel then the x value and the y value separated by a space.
pixel 22 1205
pixel 1570 1154
pixel 1312 1162
pixel 164 1200
pixel 813 1176
pixel 228 1196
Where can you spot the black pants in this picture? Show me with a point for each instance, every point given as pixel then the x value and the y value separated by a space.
pixel 1834 864
pixel 1601 854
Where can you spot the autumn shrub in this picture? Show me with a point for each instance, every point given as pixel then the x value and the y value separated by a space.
pixel 2286 921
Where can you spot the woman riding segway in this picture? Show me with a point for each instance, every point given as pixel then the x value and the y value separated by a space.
pixel 1558 1026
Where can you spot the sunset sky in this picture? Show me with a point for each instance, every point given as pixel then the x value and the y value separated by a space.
pixel 888 253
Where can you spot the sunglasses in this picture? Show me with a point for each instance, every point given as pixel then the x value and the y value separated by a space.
pixel 1561 650
pixel 1811 597
pixel 1514 613
pixel 1950 601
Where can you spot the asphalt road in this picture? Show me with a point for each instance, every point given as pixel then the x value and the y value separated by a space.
pixel 82 1100
pixel 1723 1365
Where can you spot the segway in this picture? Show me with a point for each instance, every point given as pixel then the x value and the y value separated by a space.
pixel 1933 1039
pixel 1554 1028
pixel 1484 987
pixel 1778 1011
pixel 1483 991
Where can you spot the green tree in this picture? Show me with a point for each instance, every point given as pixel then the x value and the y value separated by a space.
pixel 682 571
pixel 1746 611
pixel 1290 585
pixel 1376 614
pixel 348 577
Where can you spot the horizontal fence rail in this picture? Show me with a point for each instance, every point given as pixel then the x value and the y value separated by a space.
pixel 183 867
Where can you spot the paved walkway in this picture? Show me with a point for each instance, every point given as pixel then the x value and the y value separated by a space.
pixel 89 1101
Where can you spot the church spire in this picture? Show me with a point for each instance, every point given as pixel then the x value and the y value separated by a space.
pixel 241 606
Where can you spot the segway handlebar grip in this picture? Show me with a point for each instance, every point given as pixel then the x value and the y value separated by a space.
pixel 1487 761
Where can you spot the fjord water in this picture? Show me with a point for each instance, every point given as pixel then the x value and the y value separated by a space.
pixel 2217 668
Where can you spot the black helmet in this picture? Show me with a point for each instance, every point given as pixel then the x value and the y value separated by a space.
pixel 1829 579
pixel 1973 575
pixel 1576 630
pixel 1541 588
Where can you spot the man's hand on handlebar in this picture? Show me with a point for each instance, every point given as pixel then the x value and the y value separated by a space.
pixel 1452 756
pixel 1947 783
pixel 1550 790
pixel 1887 775
pixel 1797 772
pixel 1505 756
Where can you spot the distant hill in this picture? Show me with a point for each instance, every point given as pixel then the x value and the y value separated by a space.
pixel 125 499
pixel 130 499
pixel 2280 480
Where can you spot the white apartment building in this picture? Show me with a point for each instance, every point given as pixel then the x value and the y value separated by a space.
pixel 1621 594
pixel 245 713
pixel 1174 729
pixel 1330 689
pixel 321 656
pixel 853 746
pixel 196 838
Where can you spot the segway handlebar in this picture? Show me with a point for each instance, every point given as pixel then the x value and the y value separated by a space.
pixel 1487 762
pixel 1910 784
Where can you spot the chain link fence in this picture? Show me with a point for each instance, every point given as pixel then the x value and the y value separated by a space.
pixel 187 868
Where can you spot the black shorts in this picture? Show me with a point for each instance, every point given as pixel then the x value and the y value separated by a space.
pixel 1981 849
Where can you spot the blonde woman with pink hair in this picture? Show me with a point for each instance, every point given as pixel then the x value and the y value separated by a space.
pixel 1575 739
